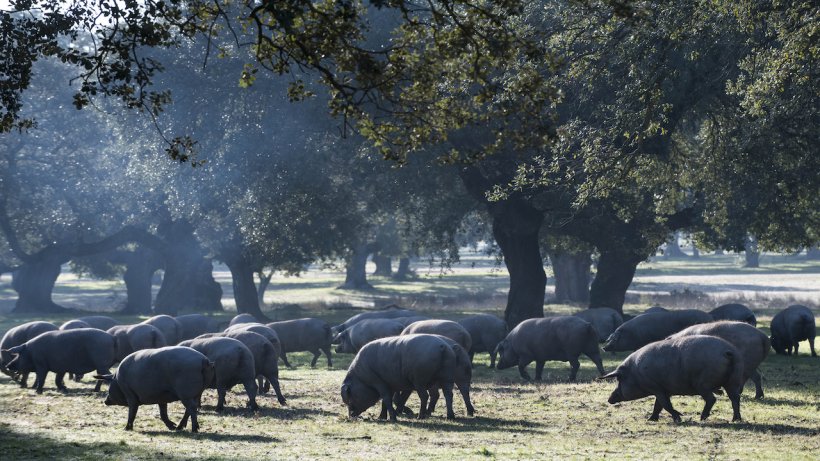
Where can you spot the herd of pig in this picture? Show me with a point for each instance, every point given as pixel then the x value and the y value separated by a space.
pixel 399 351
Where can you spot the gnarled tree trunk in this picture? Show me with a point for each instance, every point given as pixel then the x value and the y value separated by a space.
pixel 515 227
pixel 355 269
pixel 34 284
pixel 403 272
pixel 615 272
pixel 188 284
pixel 384 265
pixel 140 267
pixel 572 275
pixel 752 252
pixel 244 288
pixel 673 249
pixel 264 282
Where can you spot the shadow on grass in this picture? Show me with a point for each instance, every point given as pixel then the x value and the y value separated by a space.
pixel 467 424
pixel 784 429
pixel 23 445
pixel 215 437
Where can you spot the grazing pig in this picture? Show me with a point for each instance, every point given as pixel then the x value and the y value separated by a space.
pixel 15 337
pixel 388 365
pixel 132 338
pixel 655 326
pixel 790 326
pixel 690 365
pixel 562 338
pixel 160 376
pixel 355 337
pixel 603 319
pixel 655 309
pixel 194 325
pixel 306 334
pixel 737 312
pixel 64 351
pixel 463 376
pixel 265 357
pixel 169 327
pixel 486 332
pixel 243 318
pixel 389 312
pixel 752 344
pixel 448 328
pixel 233 364
pixel 74 324
pixel 99 322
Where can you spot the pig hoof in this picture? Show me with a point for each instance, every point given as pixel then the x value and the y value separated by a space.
pixel 652 418
pixel 170 426
pixel 129 427
pixel 282 402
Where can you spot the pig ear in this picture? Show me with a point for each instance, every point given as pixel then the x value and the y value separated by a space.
pixel 107 378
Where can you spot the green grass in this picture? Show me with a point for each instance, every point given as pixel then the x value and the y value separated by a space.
pixel 514 420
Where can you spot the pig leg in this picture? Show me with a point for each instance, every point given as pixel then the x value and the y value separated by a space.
pixel 734 397
pixel 401 403
pixel 539 369
pixel 667 405
pixel 23 377
pixel 59 381
pixel 423 397
pixel 326 350
pixel 190 408
pixel 811 346
pixel 387 402
pixel 40 380
pixel 251 389
pixel 447 388
pixel 596 359
pixel 574 365
pixel 132 415
pixel 758 385
pixel 522 368
pixel 220 401
pixel 707 408
pixel 796 346
pixel 284 358
pixel 163 415
pixel 316 355
pixel 434 396
pixel 656 410
pixel 465 395
pixel 275 384
pixel 262 385
pixel 472 354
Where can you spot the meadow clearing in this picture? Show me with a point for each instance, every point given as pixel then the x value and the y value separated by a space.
pixel 514 419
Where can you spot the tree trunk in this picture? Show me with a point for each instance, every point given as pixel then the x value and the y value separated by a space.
pixel 34 284
pixel 572 275
pixel 615 272
pixel 403 272
pixel 813 253
pixel 140 267
pixel 264 282
pixel 673 248
pixel 516 232
pixel 695 251
pixel 384 265
pixel 244 288
pixel 188 283
pixel 752 253
pixel 355 269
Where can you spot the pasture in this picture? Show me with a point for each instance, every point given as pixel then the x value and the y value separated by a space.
pixel 514 419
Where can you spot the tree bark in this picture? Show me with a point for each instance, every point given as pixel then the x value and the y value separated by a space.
pixel 615 272
pixel 34 284
pixel 752 252
pixel 515 227
pixel 403 272
pixel 355 269
pixel 188 283
pixel 813 253
pixel 244 288
pixel 384 265
pixel 572 275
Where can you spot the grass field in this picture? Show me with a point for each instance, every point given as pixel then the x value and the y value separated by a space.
pixel 514 419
